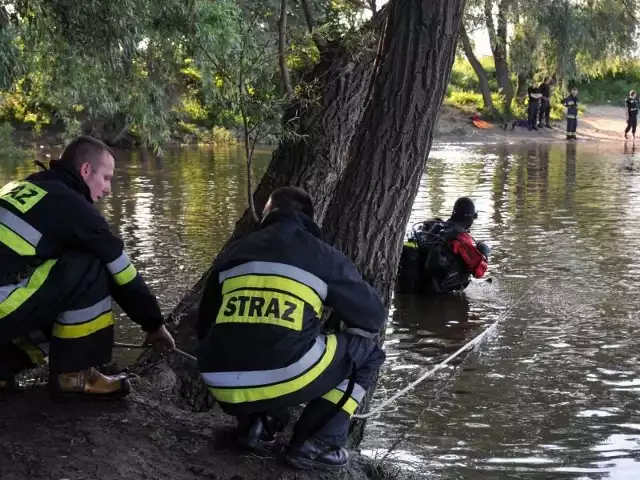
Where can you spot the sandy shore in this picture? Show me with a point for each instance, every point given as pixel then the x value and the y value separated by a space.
pixel 598 123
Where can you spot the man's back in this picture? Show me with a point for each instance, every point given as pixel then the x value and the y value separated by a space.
pixel 38 215
pixel 267 290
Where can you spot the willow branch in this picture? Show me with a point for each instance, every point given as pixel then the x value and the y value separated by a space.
pixel 308 16
pixel 282 42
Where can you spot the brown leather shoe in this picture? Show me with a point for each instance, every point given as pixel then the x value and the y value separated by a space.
pixel 88 384
pixel 7 385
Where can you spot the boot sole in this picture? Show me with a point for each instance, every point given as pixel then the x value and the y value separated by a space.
pixel 266 450
pixel 308 464
pixel 86 397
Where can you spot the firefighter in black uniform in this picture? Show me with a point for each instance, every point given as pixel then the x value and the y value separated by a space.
pixel 533 106
pixel 60 267
pixel 571 102
pixel 632 114
pixel 262 344
pixel 545 102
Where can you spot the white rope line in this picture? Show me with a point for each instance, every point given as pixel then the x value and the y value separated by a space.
pixel 176 350
pixel 442 364
pixel 412 385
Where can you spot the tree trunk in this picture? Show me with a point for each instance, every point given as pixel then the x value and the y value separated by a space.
pixel 282 49
pixel 313 158
pixel 498 42
pixel 521 91
pixel 389 151
pixel 483 79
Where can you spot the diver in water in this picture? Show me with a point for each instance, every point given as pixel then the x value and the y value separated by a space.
pixel 440 256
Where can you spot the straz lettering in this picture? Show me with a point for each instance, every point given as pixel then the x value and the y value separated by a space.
pixel 261 307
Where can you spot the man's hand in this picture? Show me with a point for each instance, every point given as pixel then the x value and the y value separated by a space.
pixel 160 340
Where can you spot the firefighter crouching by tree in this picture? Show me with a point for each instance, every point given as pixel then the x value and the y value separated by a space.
pixel 60 267
pixel 441 256
pixel 262 349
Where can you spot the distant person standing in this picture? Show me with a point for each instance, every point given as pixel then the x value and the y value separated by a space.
pixel 571 102
pixel 632 114
pixel 545 102
pixel 534 105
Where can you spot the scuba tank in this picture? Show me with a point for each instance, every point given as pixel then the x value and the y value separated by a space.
pixel 427 263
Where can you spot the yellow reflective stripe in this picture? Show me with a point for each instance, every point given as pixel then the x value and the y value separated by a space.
pixel 256 306
pixel 83 329
pixel 255 394
pixel 335 395
pixel 410 244
pixel 273 282
pixel 280 270
pixel 35 354
pixel 22 294
pixel 15 242
pixel 126 275
pixel 571 117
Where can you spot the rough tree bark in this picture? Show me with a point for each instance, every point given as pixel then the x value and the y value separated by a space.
pixel 313 158
pixel 498 42
pixel 386 158
pixel 521 89
pixel 483 79
pixel 389 151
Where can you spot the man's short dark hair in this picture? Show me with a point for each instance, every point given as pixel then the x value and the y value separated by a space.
pixel 84 149
pixel 292 197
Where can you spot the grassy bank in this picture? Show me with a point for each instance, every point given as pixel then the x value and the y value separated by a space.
pixel 194 123
pixel 604 85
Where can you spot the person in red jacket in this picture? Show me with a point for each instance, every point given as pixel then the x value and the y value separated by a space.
pixel 441 256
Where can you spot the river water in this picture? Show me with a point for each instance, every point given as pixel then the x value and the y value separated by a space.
pixel 553 392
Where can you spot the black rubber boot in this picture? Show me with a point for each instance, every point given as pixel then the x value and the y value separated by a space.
pixel 258 439
pixel 315 453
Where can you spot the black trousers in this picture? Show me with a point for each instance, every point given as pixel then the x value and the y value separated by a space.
pixel 62 310
pixel 572 124
pixel 545 111
pixel 533 114
pixel 321 395
pixel 632 123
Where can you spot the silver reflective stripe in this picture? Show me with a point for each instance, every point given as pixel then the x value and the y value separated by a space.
pixel 7 290
pixel 119 264
pixel 358 391
pixel 281 269
pixel 38 338
pixel 44 348
pixel 361 333
pixel 85 314
pixel 267 377
pixel 19 226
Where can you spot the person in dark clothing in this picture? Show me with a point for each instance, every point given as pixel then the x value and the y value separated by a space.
pixel 263 348
pixel 533 106
pixel 441 256
pixel 572 102
pixel 632 114
pixel 60 267
pixel 545 103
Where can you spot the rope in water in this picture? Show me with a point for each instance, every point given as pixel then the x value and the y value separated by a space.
pixel 176 350
pixel 442 364
pixel 413 384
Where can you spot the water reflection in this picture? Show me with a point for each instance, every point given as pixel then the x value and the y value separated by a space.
pixel 553 393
